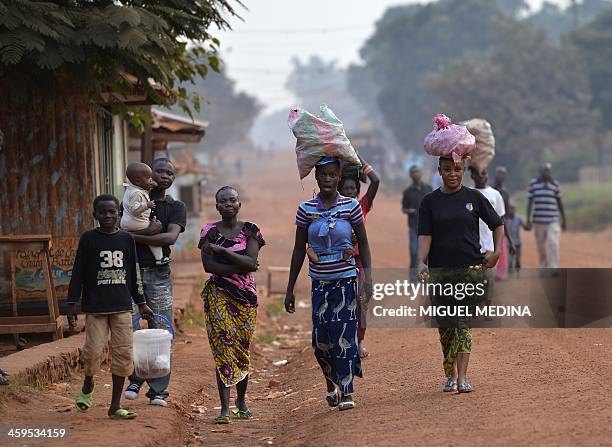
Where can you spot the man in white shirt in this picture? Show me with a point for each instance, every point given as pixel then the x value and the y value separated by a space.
pixel 486 236
pixel 496 200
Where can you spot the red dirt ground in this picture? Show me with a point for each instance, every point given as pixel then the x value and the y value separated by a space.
pixel 533 386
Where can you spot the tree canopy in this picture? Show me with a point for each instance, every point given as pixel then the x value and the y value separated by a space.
pixel 536 96
pixel 230 113
pixel 412 42
pixel 99 44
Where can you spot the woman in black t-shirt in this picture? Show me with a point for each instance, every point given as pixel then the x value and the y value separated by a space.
pixel 449 244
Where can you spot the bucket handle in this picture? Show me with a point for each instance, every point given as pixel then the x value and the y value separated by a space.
pixel 165 320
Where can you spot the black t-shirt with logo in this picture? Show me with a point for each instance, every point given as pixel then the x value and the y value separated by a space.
pixel 452 222
pixel 105 273
pixel 167 211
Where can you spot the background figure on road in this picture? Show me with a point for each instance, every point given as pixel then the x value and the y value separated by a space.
pixel 449 242
pixel 411 201
pixel 514 224
pixel 544 196
pixel 229 251
pixel 500 179
pixel 349 186
pixel 169 220
pixel 486 236
pixel 326 223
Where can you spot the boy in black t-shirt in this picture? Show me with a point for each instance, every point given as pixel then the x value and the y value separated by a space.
pixel 106 277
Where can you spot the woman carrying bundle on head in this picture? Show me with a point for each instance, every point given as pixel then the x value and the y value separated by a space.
pixel 229 251
pixel 326 223
pixel 449 243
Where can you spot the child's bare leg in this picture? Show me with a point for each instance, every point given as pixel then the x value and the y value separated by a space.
pixel 88 385
pixel 118 382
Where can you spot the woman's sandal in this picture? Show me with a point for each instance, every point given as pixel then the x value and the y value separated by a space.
pixel 465 387
pixel 346 405
pixel 333 398
pixel 122 413
pixel 450 385
pixel 222 419
pixel 83 401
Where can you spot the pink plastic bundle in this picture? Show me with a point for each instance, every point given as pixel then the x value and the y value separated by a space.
pixel 319 136
pixel 449 140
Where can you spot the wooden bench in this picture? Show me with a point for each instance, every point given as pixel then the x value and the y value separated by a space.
pixel 272 270
pixel 31 324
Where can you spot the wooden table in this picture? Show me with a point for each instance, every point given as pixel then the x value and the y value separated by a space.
pixel 31 324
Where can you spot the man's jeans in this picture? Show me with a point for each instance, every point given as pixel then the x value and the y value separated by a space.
pixel 414 250
pixel 158 291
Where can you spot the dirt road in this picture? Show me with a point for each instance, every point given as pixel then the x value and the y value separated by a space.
pixel 533 387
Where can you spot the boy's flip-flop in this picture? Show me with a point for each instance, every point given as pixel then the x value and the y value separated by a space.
pixel 122 413
pixel 222 420
pixel 83 401
pixel 243 414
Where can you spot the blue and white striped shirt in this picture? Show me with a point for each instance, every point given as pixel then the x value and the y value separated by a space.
pixel 329 234
pixel 544 196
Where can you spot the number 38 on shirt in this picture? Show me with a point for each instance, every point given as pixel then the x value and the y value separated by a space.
pixel 111 258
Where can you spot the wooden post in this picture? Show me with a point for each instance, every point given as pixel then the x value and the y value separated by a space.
pixel 14 296
pixel 146 140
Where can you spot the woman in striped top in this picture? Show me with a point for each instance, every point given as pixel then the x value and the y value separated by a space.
pixel 325 223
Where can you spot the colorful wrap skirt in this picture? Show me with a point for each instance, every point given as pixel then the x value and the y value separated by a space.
pixel 230 326
pixel 455 332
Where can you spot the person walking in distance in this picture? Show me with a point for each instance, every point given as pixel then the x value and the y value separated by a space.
pixel 514 224
pixel 500 179
pixel 545 210
pixel 411 201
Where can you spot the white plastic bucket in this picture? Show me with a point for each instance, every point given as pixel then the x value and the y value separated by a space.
pixel 152 350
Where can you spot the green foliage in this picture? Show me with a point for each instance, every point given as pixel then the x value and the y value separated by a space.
pixel 317 82
pixel 594 41
pixel 412 42
pixel 95 45
pixel 230 114
pixel 536 96
pixel 557 21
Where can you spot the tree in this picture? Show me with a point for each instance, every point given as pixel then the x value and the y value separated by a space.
pixel 99 44
pixel 412 42
pixel 536 96
pixel 594 42
pixel 230 114
pixel 317 82
pixel 557 21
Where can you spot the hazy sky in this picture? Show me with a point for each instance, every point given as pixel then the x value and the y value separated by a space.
pixel 258 51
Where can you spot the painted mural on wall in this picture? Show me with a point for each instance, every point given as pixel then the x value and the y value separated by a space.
pixel 29 274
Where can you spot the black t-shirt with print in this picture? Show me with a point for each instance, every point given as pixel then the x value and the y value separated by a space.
pixel 452 222
pixel 167 211
pixel 105 273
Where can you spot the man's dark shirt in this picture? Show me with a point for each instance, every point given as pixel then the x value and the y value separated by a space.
pixel 412 199
pixel 167 211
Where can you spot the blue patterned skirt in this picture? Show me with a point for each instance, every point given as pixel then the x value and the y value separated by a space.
pixel 334 331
